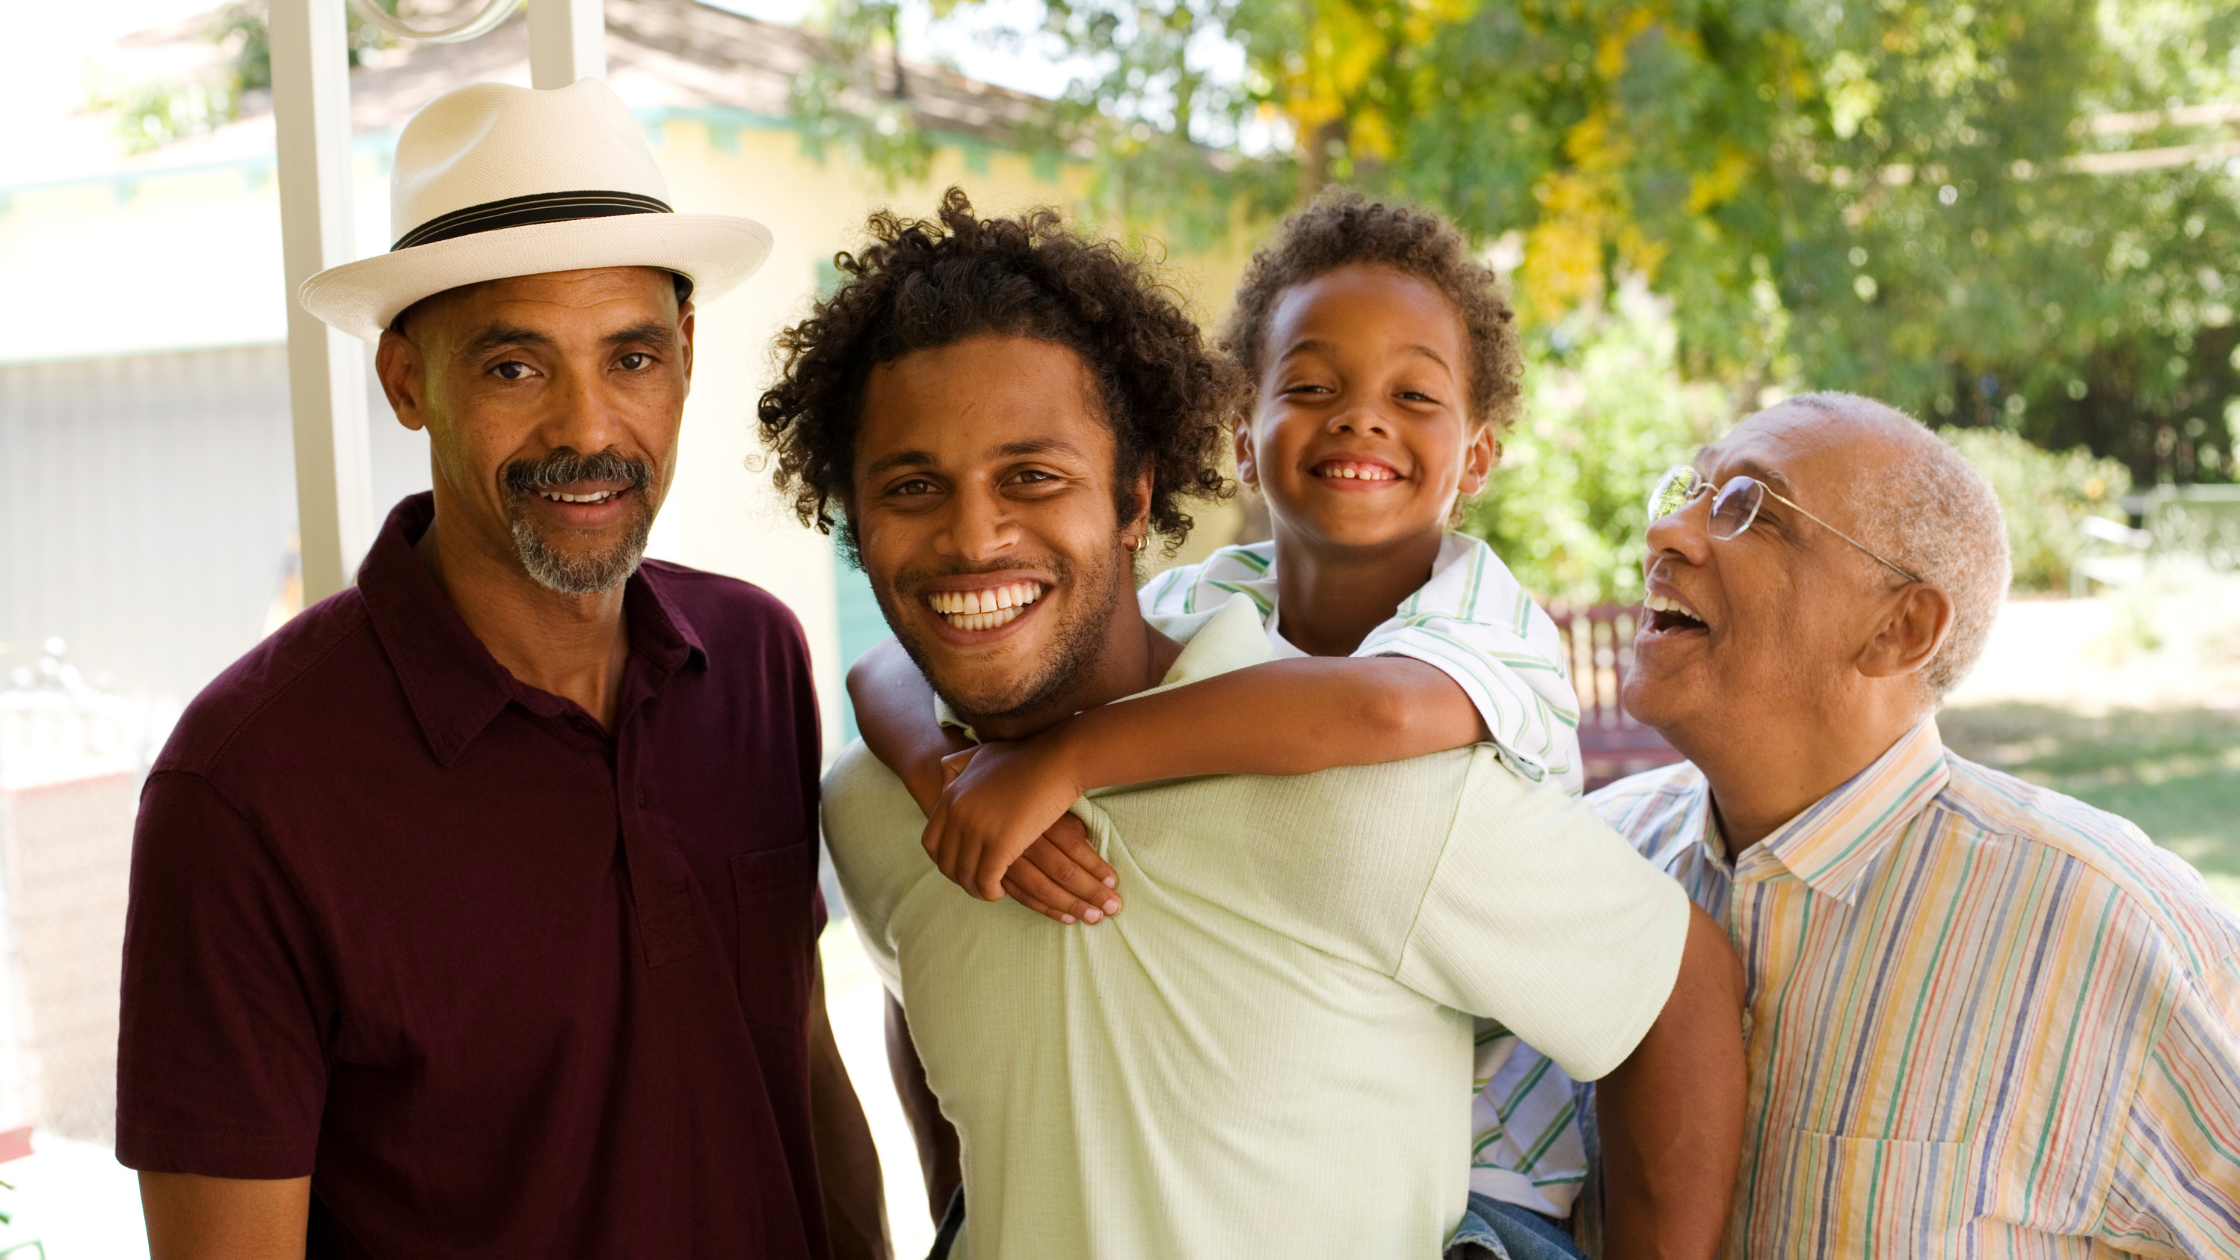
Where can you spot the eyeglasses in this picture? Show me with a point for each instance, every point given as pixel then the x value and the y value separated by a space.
pixel 1735 505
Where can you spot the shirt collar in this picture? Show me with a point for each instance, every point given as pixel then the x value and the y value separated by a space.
pixel 1228 638
pixel 1831 844
pixel 454 685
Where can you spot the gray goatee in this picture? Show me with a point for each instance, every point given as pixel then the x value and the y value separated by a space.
pixel 561 571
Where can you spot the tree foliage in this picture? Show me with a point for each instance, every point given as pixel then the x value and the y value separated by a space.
pixel 153 114
pixel 1877 195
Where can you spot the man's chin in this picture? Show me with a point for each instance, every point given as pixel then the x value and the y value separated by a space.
pixel 575 568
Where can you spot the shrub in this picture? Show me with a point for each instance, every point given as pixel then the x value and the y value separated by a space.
pixel 1605 414
pixel 2044 495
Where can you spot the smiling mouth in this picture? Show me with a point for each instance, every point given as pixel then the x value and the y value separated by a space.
pixel 985 609
pixel 1353 470
pixel 557 496
pixel 1666 614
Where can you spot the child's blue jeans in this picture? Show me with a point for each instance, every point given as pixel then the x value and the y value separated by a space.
pixel 1493 1230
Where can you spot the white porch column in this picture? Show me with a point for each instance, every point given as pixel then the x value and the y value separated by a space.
pixel 567 42
pixel 326 367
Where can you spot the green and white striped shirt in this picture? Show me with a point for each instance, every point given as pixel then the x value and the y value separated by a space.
pixel 1472 621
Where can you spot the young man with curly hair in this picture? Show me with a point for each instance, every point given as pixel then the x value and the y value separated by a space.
pixel 1272 1048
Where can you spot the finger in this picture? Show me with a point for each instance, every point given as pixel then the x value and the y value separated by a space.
pixel 1018 888
pixel 1032 887
pixel 955 763
pixel 1079 882
pixel 1072 839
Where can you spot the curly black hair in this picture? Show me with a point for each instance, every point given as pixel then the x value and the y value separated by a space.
pixel 921 284
pixel 1341 228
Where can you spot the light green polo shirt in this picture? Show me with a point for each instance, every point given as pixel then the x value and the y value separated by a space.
pixel 1269 1051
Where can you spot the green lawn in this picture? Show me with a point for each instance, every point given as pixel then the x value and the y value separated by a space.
pixel 2175 772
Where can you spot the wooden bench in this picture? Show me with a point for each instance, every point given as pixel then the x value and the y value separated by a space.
pixel 1600 641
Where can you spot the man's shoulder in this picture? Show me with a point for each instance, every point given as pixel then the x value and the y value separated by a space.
pixel 2166 897
pixel 720 606
pixel 313 670
pixel 1640 806
pixel 865 803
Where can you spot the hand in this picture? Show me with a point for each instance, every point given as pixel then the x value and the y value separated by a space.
pixel 1061 877
pixel 1001 799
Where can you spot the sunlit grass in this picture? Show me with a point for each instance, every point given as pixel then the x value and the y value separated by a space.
pixel 2175 772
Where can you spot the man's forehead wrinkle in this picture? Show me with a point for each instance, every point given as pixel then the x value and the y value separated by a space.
pixel 494 336
pixel 651 332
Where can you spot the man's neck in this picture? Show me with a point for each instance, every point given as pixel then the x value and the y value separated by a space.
pixel 571 646
pixel 1760 781
pixel 1329 599
pixel 1133 657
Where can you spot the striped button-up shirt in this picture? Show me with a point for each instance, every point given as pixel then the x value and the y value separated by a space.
pixel 1984 1019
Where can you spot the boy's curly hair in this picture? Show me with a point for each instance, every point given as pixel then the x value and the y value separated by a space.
pixel 922 284
pixel 1342 227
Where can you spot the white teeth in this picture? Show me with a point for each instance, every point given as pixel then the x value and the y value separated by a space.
pixel 1664 603
pixel 558 497
pixel 1360 472
pixel 987 608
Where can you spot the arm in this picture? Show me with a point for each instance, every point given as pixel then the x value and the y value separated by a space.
pixel 1280 718
pixel 224 1218
pixel 1063 878
pixel 1671 1114
pixel 894 711
pixel 939 1151
pixel 855 1206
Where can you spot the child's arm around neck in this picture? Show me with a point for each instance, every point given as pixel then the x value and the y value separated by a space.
pixel 1282 717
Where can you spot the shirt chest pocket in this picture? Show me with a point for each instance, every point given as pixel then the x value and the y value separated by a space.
pixel 1855 1196
pixel 776 891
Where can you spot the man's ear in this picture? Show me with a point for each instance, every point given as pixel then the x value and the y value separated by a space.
pixel 1916 618
pixel 403 378
pixel 684 337
pixel 1478 458
pixel 1139 526
pixel 1248 469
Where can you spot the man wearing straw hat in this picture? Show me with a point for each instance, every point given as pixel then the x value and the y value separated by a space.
pixel 474 912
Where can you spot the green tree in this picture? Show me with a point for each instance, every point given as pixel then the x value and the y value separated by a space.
pixel 151 115
pixel 1940 204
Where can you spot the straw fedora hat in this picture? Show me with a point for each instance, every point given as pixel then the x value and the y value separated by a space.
pixel 493 181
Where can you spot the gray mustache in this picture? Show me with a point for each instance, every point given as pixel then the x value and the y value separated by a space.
pixel 529 476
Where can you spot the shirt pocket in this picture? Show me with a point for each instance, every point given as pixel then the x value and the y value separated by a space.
pixel 776 891
pixel 1853 1196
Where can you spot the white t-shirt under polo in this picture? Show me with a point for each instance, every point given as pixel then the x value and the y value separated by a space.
pixel 1269 1050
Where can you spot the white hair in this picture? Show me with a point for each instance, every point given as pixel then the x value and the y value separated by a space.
pixel 1935 515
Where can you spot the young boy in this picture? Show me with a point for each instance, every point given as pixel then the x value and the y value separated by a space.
pixel 1386 363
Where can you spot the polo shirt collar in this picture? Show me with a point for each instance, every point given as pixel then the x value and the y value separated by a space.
pixel 454 685
pixel 1228 638
pixel 1831 845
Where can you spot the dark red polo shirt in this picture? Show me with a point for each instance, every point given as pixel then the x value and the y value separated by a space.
pixel 499 982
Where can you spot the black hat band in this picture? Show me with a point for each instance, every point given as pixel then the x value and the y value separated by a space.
pixel 490 216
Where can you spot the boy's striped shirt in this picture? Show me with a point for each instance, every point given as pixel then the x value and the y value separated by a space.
pixel 1984 1019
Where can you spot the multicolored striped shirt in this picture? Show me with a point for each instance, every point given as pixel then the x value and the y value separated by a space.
pixel 1474 622
pixel 1984 1019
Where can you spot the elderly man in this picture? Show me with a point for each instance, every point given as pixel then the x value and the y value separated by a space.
pixel 1984 1019
pixel 474 912
pixel 1270 1052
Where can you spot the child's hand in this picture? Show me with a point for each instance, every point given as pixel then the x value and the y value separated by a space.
pixel 1059 876
pixel 1001 800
